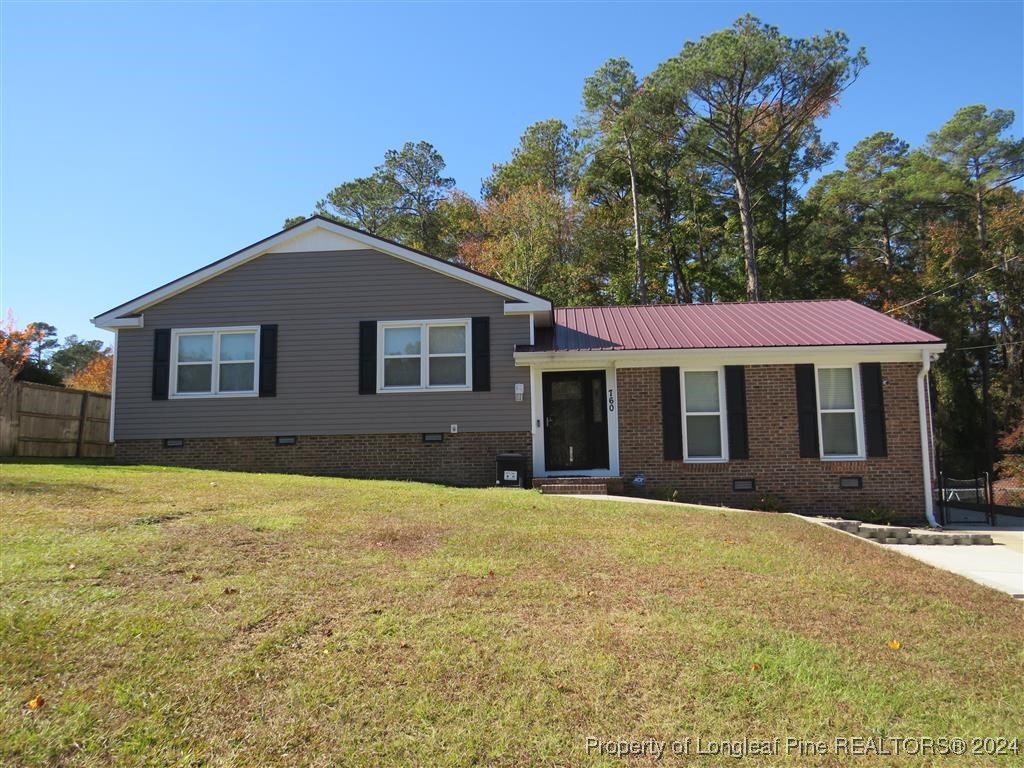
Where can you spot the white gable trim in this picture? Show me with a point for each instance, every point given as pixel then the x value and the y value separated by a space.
pixel 316 231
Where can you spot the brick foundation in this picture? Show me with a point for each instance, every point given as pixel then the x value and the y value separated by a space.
pixel 809 486
pixel 466 458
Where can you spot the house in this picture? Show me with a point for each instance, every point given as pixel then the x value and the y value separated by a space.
pixel 324 349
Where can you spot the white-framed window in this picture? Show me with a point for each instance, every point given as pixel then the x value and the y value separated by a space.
pixel 704 424
pixel 215 362
pixel 840 420
pixel 424 355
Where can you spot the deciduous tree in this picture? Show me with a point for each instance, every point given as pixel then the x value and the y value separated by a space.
pixel 96 376
pixel 15 352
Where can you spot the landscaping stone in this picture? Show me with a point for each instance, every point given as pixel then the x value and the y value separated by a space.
pixel 894 534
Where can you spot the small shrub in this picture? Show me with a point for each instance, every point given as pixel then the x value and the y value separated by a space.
pixel 769 502
pixel 876 515
pixel 660 492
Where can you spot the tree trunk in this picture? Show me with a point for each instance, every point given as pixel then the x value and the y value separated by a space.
pixel 890 258
pixel 785 211
pixel 641 277
pixel 980 224
pixel 986 403
pixel 682 294
pixel 701 252
pixel 749 240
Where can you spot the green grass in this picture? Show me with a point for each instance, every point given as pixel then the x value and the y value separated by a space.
pixel 185 618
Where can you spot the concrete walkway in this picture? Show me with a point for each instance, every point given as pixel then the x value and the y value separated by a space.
pixel 999 565
pixel 613 497
pixel 644 500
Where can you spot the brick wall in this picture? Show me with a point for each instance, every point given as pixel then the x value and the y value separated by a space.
pixel 802 485
pixel 466 458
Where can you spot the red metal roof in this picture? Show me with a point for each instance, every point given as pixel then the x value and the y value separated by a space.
pixel 719 326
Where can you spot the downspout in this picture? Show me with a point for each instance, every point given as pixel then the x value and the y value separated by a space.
pixel 113 389
pixel 923 422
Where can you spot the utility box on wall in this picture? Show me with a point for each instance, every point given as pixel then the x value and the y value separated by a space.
pixel 510 470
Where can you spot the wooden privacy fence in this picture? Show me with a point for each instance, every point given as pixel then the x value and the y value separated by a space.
pixel 39 420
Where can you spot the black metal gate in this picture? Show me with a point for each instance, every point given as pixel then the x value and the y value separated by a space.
pixel 966 495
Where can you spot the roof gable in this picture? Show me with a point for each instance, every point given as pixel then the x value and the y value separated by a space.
pixel 317 234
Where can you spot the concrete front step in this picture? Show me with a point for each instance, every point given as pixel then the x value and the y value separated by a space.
pixel 599 489
pixel 894 534
pixel 589 485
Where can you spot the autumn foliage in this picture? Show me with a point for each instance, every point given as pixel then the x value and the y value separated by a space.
pixel 96 376
pixel 15 348
pixel 1011 466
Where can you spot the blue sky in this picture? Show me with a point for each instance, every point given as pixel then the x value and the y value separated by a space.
pixel 141 141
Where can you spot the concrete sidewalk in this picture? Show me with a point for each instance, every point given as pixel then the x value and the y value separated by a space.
pixel 999 565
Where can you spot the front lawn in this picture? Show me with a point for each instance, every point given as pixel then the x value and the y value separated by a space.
pixel 182 618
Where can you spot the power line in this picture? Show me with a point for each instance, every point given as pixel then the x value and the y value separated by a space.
pixel 987 346
pixel 951 285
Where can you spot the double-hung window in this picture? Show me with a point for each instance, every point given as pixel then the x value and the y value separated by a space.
pixel 839 417
pixel 428 354
pixel 212 362
pixel 704 424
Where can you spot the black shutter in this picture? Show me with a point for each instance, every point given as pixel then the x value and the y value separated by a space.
pixel 874 408
pixel 807 411
pixel 671 414
pixel 736 411
pixel 161 362
pixel 368 357
pixel 481 354
pixel 268 361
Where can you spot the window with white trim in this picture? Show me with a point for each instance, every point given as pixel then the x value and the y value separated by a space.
pixel 839 417
pixel 704 424
pixel 427 354
pixel 210 362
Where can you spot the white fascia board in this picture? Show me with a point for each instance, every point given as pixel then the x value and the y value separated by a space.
pixel 653 358
pixel 527 307
pixel 111 318
pixel 118 322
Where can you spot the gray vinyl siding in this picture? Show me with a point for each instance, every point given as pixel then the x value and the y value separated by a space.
pixel 318 300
